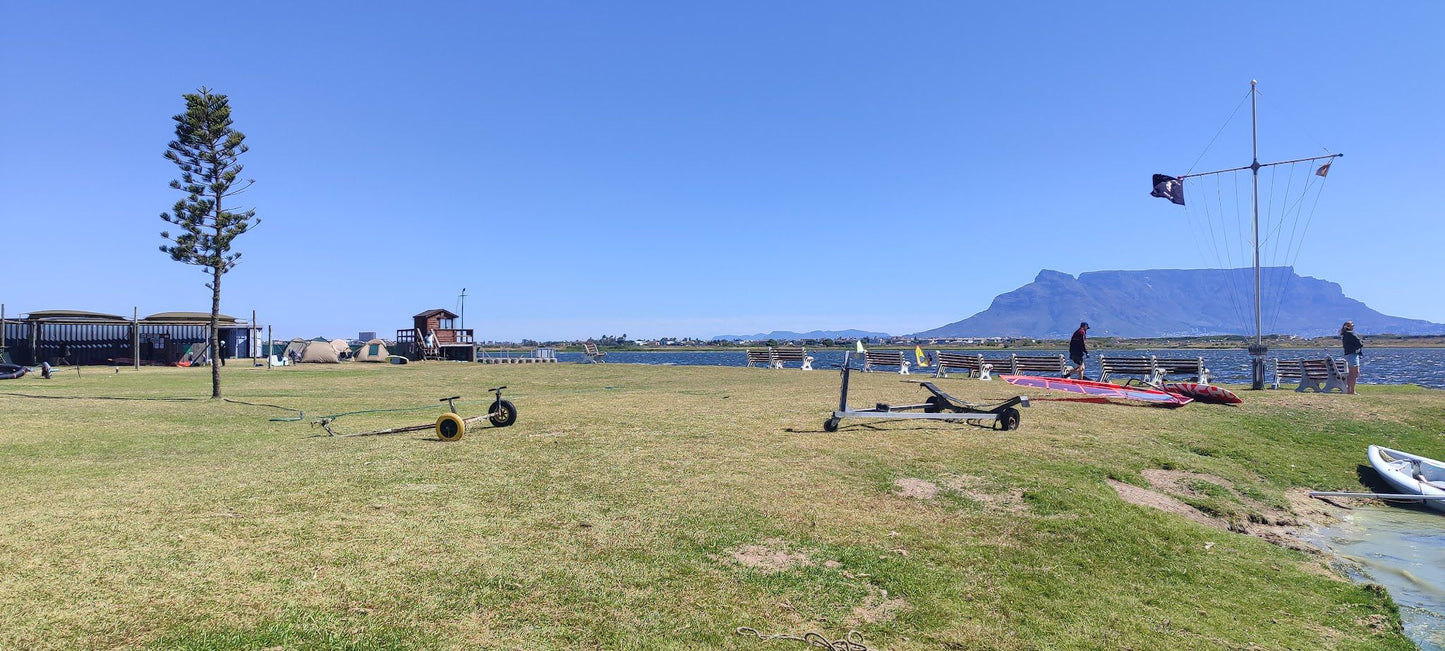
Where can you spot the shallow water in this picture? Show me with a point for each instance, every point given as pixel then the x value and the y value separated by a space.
pixel 1422 366
pixel 1402 549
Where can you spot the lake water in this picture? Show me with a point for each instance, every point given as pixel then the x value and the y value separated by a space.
pixel 1422 366
pixel 1402 549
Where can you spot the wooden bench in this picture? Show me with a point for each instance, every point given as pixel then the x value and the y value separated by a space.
pixel 1190 367
pixel 1030 364
pixel 1318 375
pixel 874 358
pixel 763 357
pixel 781 355
pixel 1153 370
pixel 589 350
pixel 976 365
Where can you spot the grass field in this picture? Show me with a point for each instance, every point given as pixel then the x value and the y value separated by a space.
pixel 640 507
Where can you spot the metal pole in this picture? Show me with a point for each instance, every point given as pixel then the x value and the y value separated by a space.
pixel 3 331
pixel 1378 496
pixel 270 348
pixel 135 336
pixel 1257 350
pixel 251 341
pixel 462 309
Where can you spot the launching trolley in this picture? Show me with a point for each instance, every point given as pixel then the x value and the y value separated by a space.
pixel 939 406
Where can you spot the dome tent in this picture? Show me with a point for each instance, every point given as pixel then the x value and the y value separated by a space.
pixel 373 351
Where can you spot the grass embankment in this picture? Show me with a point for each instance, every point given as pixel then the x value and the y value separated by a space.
pixel 661 507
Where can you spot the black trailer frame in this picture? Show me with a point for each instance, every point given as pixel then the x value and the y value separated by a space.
pixel 939 406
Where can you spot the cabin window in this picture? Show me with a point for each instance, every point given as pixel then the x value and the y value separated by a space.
pixel 374 350
pixel 445 324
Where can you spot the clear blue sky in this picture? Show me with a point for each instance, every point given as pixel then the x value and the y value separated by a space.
pixel 693 169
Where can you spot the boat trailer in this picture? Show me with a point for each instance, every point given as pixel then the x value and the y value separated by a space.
pixel 939 406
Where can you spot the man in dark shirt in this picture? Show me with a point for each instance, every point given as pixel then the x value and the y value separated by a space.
pixel 1077 350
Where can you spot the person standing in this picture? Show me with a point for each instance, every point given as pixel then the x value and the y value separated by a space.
pixel 1078 349
pixel 1353 348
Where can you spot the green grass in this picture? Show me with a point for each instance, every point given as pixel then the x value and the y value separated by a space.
pixel 608 516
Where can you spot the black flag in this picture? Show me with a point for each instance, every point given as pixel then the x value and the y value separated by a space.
pixel 1168 187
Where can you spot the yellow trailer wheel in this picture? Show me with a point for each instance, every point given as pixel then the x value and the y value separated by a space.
pixel 451 427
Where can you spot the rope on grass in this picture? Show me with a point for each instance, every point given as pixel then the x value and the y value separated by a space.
pixel 27 395
pixel 299 414
pixel 853 641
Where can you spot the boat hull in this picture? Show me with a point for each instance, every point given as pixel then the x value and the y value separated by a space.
pixel 1404 472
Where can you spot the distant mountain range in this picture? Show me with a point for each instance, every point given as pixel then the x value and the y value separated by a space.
pixel 1176 302
pixel 784 335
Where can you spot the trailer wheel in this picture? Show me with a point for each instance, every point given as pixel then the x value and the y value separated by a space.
pixel 1009 419
pixel 830 425
pixel 451 427
pixel 935 404
pixel 504 413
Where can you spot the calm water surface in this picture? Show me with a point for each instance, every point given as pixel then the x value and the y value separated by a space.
pixel 1422 366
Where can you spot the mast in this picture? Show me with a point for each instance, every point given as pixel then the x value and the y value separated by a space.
pixel 1254 177
pixel 1257 349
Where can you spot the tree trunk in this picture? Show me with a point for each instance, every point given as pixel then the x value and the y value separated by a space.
pixel 215 334
pixel 216 272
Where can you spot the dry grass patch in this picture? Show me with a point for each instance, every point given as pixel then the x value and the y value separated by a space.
pixel 770 557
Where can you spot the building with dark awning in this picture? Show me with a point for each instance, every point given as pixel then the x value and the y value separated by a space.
pixel 78 337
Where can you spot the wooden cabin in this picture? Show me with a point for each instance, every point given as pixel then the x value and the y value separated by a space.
pixel 452 342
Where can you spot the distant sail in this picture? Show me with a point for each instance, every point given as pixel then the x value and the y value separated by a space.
pixel 860 346
pixel 918 352
pixel 1168 187
pixel 1324 170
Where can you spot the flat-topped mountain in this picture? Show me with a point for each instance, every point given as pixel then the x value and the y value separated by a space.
pixel 1176 302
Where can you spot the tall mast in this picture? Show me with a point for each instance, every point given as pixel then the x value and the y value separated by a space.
pixel 1256 349
pixel 1254 168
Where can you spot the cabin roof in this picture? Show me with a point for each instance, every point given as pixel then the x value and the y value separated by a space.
pixel 435 312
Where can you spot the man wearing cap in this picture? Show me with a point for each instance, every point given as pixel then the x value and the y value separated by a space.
pixel 1077 351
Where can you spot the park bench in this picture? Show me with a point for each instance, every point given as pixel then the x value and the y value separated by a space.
pixel 1035 364
pixel 589 350
pixel 1153 370
pixel 763 357
pixel 1140 367
pixel 976 365
pixel 784 354
pixel 1318 375
pixel 1190 367
pixel 874 358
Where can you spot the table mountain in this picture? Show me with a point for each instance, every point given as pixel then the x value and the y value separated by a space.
pixel 1176 302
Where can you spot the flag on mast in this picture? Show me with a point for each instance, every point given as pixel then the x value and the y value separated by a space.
pixel 1168 187
pixel 1324 170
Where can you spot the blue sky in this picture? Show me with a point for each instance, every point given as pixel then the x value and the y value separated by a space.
pixel 693 169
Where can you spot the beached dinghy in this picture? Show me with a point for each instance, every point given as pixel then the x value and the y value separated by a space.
pixel 1410 474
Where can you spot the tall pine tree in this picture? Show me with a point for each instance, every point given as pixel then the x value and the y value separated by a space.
pixel 206 150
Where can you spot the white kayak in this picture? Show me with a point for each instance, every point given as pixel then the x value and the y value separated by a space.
pixel 1410 473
